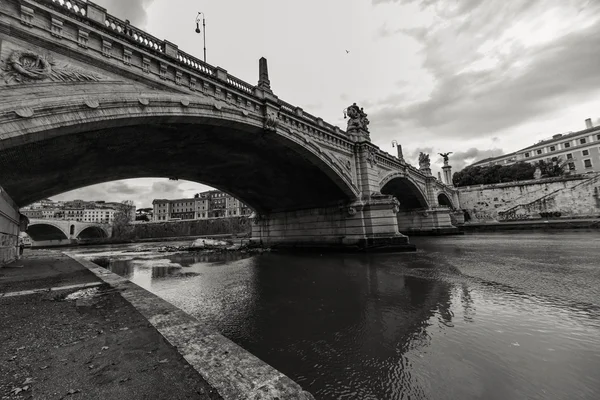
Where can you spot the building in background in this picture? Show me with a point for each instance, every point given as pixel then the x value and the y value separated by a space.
pixel 76 210
pixel 580 150
pixel 205 205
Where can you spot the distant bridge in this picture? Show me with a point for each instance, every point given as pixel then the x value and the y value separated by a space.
pixel 54 231
pixel 79 87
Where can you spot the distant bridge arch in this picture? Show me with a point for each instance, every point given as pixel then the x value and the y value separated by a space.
pixel 405 189
pixel 48 229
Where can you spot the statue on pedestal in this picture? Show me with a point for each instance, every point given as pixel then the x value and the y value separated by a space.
pixel 445 156
pixel 358 123
pixel 424 161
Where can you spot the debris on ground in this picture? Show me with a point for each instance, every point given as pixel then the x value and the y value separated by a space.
pixel 81 294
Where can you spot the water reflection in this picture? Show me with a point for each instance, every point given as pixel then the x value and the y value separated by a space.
pixel 452 320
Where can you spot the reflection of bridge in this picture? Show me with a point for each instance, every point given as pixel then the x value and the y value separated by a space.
pixel 52 231
pixel 80 87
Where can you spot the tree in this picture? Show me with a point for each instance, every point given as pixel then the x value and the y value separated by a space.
pixel 553 168
pixel 121 227
pixel 477 175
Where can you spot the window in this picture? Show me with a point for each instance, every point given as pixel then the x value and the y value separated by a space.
pixel 587 163
pixel 552 148
pixel 569 156
pixel 597 137
pixel 539 151
pixel 585 152
pixel 567 145
pixel 582 141
pixel 554 159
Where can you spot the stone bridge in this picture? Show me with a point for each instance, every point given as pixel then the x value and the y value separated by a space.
pixel 87 98
pixel 53 231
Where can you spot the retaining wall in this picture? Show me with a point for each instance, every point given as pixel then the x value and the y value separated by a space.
pixel 551 198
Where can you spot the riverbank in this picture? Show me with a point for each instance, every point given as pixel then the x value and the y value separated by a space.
pixel 118 342
pixel 99 347
pixel 533 225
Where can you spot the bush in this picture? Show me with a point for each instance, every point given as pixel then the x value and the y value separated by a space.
pixel 477 175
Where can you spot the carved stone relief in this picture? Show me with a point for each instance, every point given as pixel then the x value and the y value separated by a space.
pixel 271 121
pixel 23 66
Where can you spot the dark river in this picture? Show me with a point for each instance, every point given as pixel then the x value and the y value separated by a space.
pixel 487 316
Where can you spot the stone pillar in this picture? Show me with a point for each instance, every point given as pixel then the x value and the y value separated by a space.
pixel 359 226
pixel 447 174
pixel 9 228
pixel 434 221
pixel 263 75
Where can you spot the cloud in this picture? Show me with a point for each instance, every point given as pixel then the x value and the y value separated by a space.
pixel 140 191
pixel 461 159
pixel 133 10
pixel 498 66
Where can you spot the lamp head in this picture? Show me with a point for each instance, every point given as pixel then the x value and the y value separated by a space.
pixel 197 27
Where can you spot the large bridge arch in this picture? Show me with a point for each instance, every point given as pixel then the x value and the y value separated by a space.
pixel 46 231
pixel 70 142
pixel 406 190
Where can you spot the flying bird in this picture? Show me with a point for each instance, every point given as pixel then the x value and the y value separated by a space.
pixel 347 52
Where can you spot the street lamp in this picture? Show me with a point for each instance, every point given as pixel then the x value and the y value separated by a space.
pixel 203 30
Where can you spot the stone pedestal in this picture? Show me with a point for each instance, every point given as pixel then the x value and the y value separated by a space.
pixel 447 174
pixel 9 228
pixel 359 226
pixel 434 221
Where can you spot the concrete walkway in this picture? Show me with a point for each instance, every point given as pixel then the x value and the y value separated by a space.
pixel 118 342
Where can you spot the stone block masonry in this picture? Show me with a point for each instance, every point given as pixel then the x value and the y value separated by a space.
pixel 231 370
pixel 551 198
pixel 9 228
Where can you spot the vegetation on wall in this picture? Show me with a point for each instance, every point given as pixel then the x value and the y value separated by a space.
pixel 477 175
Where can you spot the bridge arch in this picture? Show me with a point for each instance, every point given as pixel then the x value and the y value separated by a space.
pixel 92 232
pixel 46 231
pixel 405 189
pixel 444 200
pixel 192 138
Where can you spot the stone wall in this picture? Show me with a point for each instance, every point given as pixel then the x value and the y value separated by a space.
pixel 551 198
pixel 9 228
pixel 217 226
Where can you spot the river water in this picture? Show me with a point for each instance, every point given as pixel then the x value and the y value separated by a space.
pixel 485 316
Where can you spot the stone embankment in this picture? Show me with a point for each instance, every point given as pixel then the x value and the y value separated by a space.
pixel 567 202
pixel 73 329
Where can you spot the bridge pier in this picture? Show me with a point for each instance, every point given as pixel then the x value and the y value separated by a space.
pixel 358 226
pixel 432 221
pixel 9 228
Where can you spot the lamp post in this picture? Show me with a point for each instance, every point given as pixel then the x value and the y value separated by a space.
pixel 203 30
pixel 400 155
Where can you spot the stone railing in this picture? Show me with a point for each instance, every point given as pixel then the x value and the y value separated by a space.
pixel 76 7
pixel 196 64
pixel 133 34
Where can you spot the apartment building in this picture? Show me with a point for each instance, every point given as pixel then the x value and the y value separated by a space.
pixel 580 150
pixel 205 205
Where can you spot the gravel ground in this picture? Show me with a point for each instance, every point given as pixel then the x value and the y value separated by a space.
pixel 94 347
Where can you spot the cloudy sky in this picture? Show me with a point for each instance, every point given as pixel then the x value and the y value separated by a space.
pixel 476 77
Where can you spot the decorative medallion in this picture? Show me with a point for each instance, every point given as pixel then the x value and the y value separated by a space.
pixel 271 121
pixel 27 66
pixel 371 158
pixel 185 102
pixel 144 102
pixel 92 103
pixel 24 112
